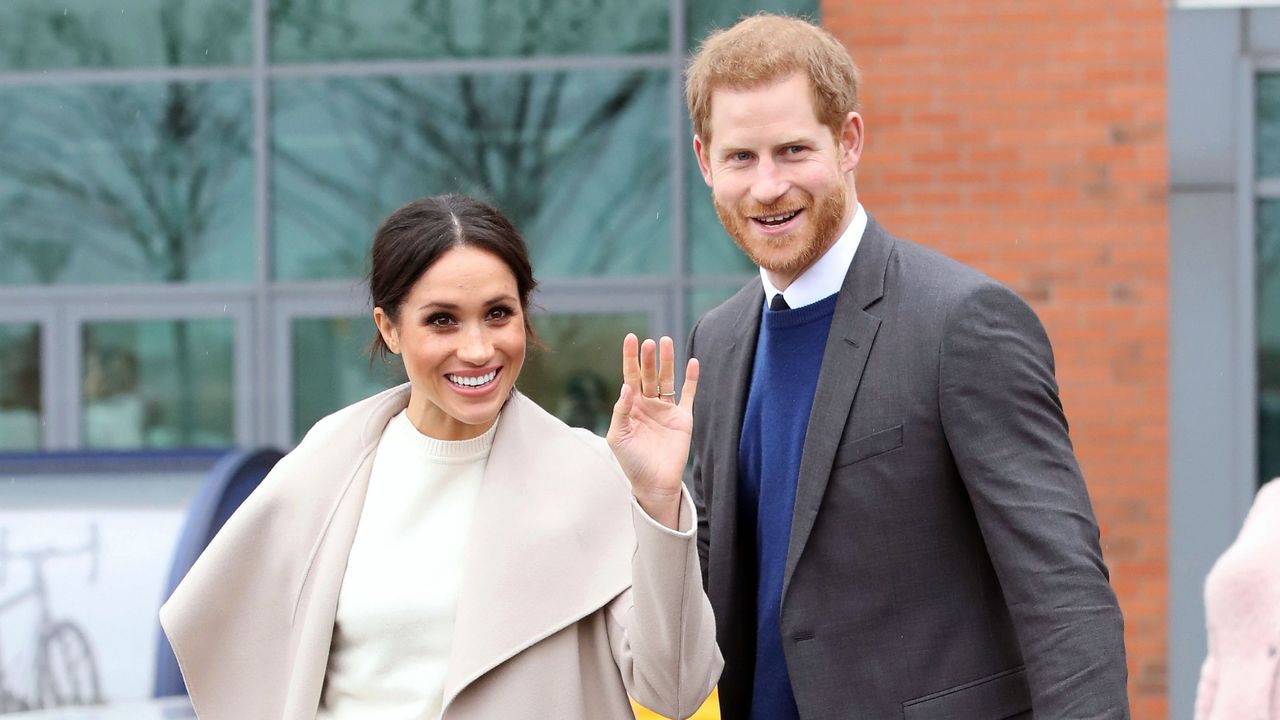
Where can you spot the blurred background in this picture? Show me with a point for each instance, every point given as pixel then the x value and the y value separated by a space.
pixel 188 189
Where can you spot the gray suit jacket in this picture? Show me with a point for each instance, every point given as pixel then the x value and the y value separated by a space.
pixel 944 560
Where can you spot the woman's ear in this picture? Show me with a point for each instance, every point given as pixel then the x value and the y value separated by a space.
pixel 387 329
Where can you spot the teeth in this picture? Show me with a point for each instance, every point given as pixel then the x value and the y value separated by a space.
pixel 773 219
pixel 475 381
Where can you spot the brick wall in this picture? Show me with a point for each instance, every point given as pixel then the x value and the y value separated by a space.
pixel 1027 139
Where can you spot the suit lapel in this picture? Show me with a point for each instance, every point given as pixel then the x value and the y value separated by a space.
pixel 551 542
pixel 853 330
pixel 734 384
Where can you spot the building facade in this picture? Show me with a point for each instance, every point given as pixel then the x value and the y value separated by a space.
pixel 188 190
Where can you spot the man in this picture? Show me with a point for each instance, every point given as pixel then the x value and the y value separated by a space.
pixel 893 523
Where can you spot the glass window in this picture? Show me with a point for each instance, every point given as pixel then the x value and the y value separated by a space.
pixel 710 249
pixel 1268 141
pixel 20 405
pixel 157 384
pixel 331 367
pixel 578 375
pixel 703 17
pixel 43 35
pixel 578 160
pixel 329 30
pixel 126 183
pixel 702 299
pixel 1268 229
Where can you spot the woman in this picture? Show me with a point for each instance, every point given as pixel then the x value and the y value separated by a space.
pixel 447 548
pixel 1241 675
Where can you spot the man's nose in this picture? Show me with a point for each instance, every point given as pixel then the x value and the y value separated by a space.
pixel 770 183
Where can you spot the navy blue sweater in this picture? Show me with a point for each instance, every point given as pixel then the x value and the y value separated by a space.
pixel 788 358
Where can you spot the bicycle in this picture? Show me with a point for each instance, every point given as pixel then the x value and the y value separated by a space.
pixel 65 672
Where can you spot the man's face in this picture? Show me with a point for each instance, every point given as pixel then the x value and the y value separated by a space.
pixel 782 185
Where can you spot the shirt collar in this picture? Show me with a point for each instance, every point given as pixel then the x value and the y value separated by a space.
pixel 825 276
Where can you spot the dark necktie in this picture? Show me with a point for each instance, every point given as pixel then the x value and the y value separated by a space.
pixel 779 303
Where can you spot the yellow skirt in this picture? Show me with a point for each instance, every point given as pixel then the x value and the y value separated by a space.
pixel 710 710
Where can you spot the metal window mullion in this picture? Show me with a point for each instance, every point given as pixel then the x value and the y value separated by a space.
pixel 53 411
pixel 106 294
pixel 470 66
pixel 254 396
pixel 278 430
pixel 1246 390
pixel 124 76
pixel 477 66
pixel 679 254
pixel 244 429
pixel 607 283
pixel 69 374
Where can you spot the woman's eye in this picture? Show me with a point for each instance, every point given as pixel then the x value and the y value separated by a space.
pixel 499 313
pixel 440 320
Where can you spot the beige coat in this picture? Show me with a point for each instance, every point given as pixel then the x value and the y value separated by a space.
pixel 571 597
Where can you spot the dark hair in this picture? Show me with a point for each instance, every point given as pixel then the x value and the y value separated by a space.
pixel 418 234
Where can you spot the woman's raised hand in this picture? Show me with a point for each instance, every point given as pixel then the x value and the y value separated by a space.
pixel 650 431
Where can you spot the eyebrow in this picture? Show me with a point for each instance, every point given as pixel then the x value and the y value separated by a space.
pixel 454 306
pixel 801 140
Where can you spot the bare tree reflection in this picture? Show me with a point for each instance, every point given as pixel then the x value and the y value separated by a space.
pixel 535 144
pixel 303 30
pixel 126 182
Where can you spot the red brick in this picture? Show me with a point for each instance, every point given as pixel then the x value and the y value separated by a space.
pixel 1028 140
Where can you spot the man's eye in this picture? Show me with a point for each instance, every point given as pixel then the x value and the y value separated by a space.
pixel 742 156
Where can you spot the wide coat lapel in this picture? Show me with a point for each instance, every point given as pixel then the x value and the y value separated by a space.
pixel 252 621
pixel 853 331
pixel 733 382
pixel 551 542
pixel 317 605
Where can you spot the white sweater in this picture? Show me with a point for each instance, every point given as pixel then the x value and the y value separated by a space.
pixel 394 625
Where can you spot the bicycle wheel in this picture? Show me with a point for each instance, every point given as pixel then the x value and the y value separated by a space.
pixel 10 703
pixel 66 673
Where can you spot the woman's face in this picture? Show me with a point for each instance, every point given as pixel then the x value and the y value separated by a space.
pixel 461 336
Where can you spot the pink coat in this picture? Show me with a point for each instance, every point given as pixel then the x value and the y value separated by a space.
pixel 1241 676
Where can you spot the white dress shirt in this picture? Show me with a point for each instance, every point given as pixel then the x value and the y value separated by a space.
pixel 825 276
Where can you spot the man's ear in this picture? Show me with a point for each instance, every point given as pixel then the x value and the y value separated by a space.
pixel 851 138
pixel 387 330
pixel 703 153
